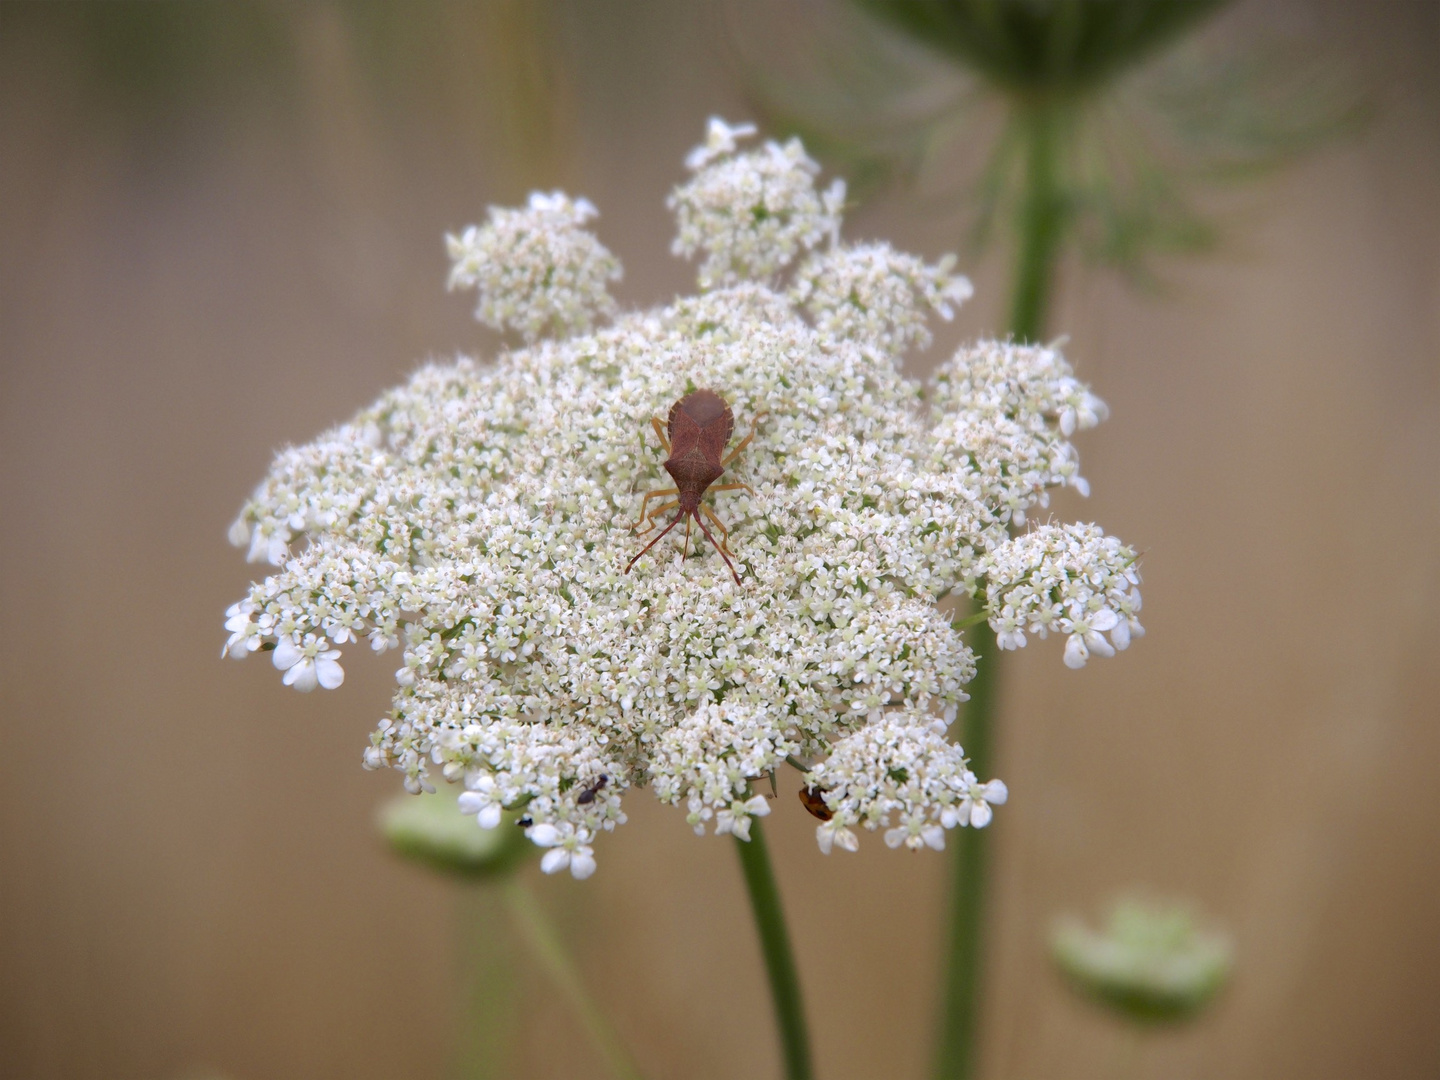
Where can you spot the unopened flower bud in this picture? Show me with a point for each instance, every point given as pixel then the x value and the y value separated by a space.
pixel 1151 963
pixel 430 829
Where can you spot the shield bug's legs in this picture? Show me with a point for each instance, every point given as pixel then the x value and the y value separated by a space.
pixel 733 487
pixel 648 496
pixel 699 427
pixel 659 427
pixel 743 442
pixel 725 531
pixel 663 532
pixel 649 521
pixel 724 544
pixel 706 531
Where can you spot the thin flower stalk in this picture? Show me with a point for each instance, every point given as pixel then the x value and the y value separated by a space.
pixel 780 967
pixel 549 951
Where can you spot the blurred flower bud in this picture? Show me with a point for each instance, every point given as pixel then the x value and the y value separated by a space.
pixel 1045 44
pixel 430 829
pixel 1151 963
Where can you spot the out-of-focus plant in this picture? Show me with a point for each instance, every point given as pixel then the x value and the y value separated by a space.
pixel 1066 125
pixel 1152 963
pixel 1062 123
pixel 1064 163
pixel 432 830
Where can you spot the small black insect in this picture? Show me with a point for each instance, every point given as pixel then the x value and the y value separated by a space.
pixel 586 797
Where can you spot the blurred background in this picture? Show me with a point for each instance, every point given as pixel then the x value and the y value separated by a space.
pixel 221 231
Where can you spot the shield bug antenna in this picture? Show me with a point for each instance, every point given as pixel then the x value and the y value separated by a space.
pixel 699 428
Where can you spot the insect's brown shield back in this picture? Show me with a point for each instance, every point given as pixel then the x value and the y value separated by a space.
pixel 712 423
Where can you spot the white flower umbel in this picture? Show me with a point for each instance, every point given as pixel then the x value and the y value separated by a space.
pixel 900 769
pixel 877 296
pixel 711 756
pixel 479 519
pixel 1071 579
pixel 751 213
pixel 536 269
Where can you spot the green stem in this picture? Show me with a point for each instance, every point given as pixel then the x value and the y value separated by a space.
pixel 485 1039
pixel 547 947
pixel 1041 221
pixel 1040 228
pixel 775 945
pixel 956 1057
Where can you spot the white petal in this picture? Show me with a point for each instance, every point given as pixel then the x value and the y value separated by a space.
pixel 1103 619
pixel 934 836
pixel 471 803
pixel 329 673
pixel 847 840
pixel 258 545
pixel 1096 642
pixel 1121 636
pixel 759 806
pixel 582 864
pixel 1075 652
pixel 895 837
pixel 240 532
pixel 555 860
pixel 302 677
pixel 544 835
pixel 996 792
pixel 490 816
pixel 287 654
pixel 980 816
pixel 825 837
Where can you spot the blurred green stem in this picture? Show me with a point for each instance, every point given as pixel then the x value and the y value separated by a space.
pixel 955 1057
pixel 775 945
pixel 1040 228
pixel 547 948
pixel 489 980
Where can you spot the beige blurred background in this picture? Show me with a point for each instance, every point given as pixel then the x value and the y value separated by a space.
pixel 220 231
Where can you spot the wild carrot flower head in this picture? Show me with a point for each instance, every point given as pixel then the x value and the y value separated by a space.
pixel 478 521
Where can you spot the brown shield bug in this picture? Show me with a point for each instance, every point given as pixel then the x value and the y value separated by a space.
pixel 699 429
